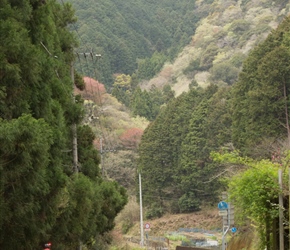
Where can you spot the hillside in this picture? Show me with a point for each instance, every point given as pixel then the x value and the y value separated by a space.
pixel 206 43
pixel 221 42
pixel 177 228
pixel 117 133
pixel 125 33
pixel 175 149
pixel 224 33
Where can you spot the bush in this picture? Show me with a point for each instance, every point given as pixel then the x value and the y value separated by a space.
pixel 187 203
pixel 129 216
pixel 224 72
pixel 156 211
pixel 193 66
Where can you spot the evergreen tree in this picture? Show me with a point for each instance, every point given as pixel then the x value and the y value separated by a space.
pixel 209 130
pixel 159 153
pixel 260 98
pixel 175 151
pixel 41 198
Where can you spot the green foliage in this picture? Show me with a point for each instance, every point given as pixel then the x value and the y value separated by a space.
pixel 88 156
pixel 176 237
pixel 208 56
pixel 193 66
pixel 148 103
pixel 79 82
pixel 174 151
pixel 122 88
pixel 126 32
pixel 188 203
pixel 224 72
pixel 149 67
pixel 25 182
pixel 237 59
pixel 259 96
pixel 41 199
pixel 155 211
pixel 254 191
pixel 239 26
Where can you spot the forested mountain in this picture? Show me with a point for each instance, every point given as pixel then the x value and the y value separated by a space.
pixel 127 32
pixel 174 45
pixel 221 42
pixel 222 35
pixel 45 195
pixel 188 129
pixel 248 119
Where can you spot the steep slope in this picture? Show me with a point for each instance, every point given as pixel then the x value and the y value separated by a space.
pixel 117 133
pixel 221 42
pixel 126 31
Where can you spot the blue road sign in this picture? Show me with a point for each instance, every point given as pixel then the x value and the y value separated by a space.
pixel 223 205
pixel 234 230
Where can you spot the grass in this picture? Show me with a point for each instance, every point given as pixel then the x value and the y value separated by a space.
pixel 176 237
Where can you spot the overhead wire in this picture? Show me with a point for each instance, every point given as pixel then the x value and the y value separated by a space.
pixel 106 138
pixel 111 148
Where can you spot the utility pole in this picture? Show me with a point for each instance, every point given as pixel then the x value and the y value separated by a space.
pixel 74 130
pixel 141 212
pixel 281 208
pixel 75 140
pixel 289 206
pixel 102 160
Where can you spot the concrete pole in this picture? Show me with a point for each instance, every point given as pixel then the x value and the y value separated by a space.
pixel 74 130
pixel 102 160
pixel 281 207
pixel 141 213
pixel 289 207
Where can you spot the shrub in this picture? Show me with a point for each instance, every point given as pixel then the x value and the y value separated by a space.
pixel 156 211
pixel 129 215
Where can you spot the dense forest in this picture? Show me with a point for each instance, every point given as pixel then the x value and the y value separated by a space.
pixel 127 34
pixel 238 135
pixel 231 135
pixel 241 114
pixel 168 47
pixel 44 194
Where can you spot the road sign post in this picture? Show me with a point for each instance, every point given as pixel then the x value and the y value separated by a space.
pixel 147 229
pixel 226 210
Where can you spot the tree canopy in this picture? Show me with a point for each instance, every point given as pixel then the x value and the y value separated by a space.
pixel 128 34
pixel 41 197
pixel 250 116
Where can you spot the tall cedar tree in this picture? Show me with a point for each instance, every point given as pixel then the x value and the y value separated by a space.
pixel 260 98
pixel 159 152
pixel 175 151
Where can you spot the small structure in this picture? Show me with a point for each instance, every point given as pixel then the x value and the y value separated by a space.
pixel 190 248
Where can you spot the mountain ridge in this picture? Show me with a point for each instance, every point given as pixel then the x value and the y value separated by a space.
pixel 212 26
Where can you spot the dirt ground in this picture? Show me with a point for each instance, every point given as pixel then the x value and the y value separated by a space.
pixel 207 222
pixel 207 219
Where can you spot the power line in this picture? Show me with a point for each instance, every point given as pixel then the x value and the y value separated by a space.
pixel 104 135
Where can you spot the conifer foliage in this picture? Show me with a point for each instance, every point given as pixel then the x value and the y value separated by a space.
pixel 175 151
pixel 41 198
